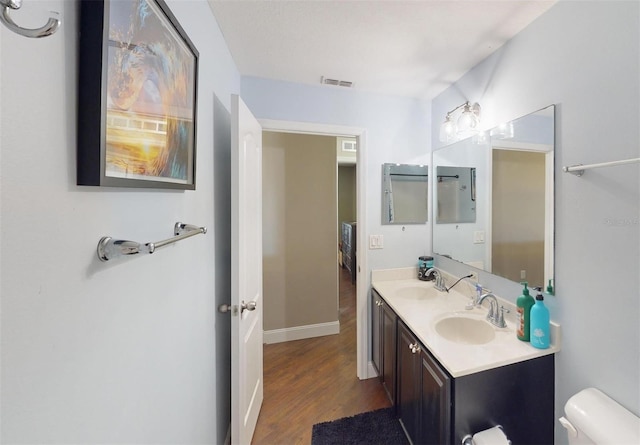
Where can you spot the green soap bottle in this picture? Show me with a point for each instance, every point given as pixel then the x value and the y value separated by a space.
pixel 524 303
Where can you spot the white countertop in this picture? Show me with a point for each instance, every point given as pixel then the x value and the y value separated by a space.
pixel 420 315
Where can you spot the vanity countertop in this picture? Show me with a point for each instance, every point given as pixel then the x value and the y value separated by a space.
pixel 421 315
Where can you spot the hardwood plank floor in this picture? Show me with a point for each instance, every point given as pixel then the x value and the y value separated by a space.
pixel 314 380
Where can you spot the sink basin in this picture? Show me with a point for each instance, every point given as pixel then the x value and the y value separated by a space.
pixel 465 330
pixel 416 293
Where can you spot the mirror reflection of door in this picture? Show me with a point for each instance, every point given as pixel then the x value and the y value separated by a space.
pixel 518 215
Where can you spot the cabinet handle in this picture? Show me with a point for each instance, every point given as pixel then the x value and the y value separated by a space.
pixel 378 303
pixel 414 348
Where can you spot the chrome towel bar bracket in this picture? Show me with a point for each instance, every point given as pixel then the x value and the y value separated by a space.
pixel 109 248
pixel 579 169
pixel 49 28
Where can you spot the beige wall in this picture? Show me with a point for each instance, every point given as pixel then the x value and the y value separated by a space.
pixel 299 230
pixel 518 235
pixel 347 211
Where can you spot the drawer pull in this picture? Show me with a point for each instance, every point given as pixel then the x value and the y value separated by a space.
pixel 414 348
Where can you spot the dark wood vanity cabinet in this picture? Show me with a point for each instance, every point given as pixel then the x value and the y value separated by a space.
pixel 424 392
pixel 520 397
pixel 436 408
pixel 384 322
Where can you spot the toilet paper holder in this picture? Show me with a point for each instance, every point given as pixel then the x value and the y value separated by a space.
pixel 468 439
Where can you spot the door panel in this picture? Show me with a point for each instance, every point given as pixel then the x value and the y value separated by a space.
pixel 246 272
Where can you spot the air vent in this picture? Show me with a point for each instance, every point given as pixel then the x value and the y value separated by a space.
pixel 336 82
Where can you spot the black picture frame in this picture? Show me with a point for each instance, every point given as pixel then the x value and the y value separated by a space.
pixel 137 97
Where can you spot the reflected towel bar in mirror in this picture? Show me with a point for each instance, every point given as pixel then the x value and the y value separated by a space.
pixel 109 248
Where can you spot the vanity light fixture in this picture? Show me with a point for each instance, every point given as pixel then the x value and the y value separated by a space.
pixel 467 124
pixel 503 131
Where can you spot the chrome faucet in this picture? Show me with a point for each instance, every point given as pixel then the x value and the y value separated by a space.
pixel 440 285
pixel 495 316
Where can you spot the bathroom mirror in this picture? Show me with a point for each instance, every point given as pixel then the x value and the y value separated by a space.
pixel 456 195
pixel 405 194
pixel 512 235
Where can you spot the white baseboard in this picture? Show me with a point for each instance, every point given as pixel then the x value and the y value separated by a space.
pixel 371 370
pixel 301 332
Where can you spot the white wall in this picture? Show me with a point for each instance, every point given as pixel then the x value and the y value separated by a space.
pixel 582 56
pixel 397 130
pixel 119 352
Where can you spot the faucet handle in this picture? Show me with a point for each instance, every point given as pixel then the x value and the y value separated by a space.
pixel 501 322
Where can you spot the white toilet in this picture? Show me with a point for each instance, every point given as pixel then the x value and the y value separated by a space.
pixel 594 418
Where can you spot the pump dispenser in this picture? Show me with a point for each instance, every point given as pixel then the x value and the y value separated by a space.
pixel 550 287
pixel 524 304
pixel 539 322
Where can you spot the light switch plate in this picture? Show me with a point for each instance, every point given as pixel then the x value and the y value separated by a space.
pixel 376 241
pixel 478 237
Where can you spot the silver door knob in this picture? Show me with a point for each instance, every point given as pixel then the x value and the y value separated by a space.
pixel 224 308
pixel 250 306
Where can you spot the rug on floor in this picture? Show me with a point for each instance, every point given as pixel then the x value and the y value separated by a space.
pixel 380 427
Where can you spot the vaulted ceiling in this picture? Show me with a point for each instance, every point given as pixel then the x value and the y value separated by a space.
pixel 409 48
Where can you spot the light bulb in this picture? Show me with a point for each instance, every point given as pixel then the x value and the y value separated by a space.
pixel 468 122
pixel 447 130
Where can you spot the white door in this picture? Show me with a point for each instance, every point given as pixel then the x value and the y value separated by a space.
pixel 246 272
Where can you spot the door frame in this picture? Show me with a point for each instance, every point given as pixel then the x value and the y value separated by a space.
pixel 363 368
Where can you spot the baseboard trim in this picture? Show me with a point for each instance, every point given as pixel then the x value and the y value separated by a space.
pixel 371 370
pixel 301 332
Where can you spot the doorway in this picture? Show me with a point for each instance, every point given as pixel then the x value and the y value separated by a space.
pixel 314 378
pixel 364 370
pixel 300 211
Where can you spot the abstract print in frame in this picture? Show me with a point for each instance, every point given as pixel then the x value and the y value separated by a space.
pixel 137 96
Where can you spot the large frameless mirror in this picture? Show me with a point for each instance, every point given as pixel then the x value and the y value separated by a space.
pixel 512 234
pixel 456 195
pixel 405 194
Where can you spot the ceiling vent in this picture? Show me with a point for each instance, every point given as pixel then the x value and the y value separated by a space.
pixel 336 82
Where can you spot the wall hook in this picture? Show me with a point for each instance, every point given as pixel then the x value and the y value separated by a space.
pixel 49 28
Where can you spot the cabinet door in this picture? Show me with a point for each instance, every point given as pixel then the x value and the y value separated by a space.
pixel 376 332
pixel 435 417
pixel 409 376
pixel 389 347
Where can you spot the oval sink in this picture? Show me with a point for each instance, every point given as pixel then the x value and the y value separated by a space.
pixel 416 293
pixel 465 330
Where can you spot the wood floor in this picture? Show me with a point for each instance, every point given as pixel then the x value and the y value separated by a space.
pixel 314 380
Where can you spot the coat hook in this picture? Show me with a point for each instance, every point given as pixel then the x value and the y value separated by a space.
pixel 49 28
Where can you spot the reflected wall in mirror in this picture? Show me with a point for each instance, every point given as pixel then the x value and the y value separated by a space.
pixel 456 195
pixel 512 235
pixel 405 194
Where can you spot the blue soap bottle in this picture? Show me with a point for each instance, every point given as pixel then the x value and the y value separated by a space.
pixel 539 323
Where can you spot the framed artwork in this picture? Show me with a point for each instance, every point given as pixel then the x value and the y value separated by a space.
pixel 137 97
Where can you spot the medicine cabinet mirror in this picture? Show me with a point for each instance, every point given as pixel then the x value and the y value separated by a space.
pixel 405 194
pixel 511 234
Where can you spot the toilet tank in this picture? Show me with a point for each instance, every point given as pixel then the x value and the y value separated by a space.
pixel 591 417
